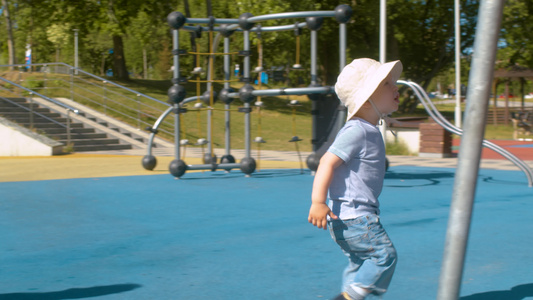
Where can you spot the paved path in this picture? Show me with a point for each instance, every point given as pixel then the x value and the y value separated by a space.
pixel 128 162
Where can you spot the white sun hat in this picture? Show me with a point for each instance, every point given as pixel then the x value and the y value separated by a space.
pixel 358 81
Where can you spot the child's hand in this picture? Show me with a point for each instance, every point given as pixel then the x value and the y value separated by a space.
pixel 318 215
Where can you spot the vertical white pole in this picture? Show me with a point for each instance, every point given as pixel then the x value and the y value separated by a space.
pixel 76 51
pixel 457 64
pixel 383 31
pixel 383 50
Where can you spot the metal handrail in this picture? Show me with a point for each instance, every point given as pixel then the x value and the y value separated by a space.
pixel 105 107
pixel 28 109
pixel 133 107
pixel 443 122
pixel 67 107
pixel 90 75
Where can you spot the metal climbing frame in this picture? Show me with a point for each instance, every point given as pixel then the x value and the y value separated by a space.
pixel 246 23
pixel 441 120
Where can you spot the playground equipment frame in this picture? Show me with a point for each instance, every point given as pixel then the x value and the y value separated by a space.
pixel 246 23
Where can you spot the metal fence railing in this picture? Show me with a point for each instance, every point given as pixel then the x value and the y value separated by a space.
pixel 7 94
pixel 442 121
pixel 59 80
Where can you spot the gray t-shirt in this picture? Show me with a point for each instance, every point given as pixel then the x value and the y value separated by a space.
pixel 357 183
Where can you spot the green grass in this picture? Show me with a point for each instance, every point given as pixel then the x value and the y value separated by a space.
pixel 499 132
pixel 397 148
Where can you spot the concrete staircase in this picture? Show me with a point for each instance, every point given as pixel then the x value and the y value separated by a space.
pixel 83 138
pixel 90 131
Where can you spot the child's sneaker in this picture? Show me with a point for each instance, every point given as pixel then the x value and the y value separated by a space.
pixel 342 296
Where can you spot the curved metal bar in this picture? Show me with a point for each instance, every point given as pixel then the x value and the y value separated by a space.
pixel 236 27
pixel 160 120
pixel 450 127
pixel 254 19
pixel 279 27
pixel 289 15
pixel 443 122
pixel 156 125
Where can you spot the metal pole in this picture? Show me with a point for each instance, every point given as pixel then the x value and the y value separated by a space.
pixel 342 63
pixel 68 127
pixel 457 64
pixel 383 53
pixel 175 41
pixel 71 84
pixel 226 86
pixel 138 111
pixel 31 110
pixel 211 104
pixel 479 86
pixel 342 46
pixel 177 136
pixel 105 98
pixel 314 104
pixel 313 57
pixel 20 80
pixel 383 31
pixel 246 66
pixel 76 51
pixel 44 79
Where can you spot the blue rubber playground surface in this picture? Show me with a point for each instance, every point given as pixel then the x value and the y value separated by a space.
pixel 224 236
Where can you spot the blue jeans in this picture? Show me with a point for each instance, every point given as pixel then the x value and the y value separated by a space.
pixel 372 256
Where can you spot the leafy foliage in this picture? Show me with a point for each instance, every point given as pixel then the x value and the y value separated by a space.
pixel 516 42
pixel 420 33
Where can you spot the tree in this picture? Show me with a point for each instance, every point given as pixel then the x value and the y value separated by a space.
pixel 422 36
pixel 516 42
pixel 147 26
pixel 143 32
pixel 420 33
pixel 115 18
pixel 58 34
pixel 31 19
pixel 10 39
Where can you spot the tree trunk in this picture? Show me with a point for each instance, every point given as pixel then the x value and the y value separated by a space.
pixel 145 64
pixel 329 64
pixel 209 8
pixel 119 61
pixel 10 40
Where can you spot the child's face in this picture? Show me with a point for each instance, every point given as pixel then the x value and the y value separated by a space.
pixel 386 96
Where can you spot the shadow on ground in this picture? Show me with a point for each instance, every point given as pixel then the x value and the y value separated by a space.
pixel 265 173
pixel 518 292
pixel 418 178
pixel 74 293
